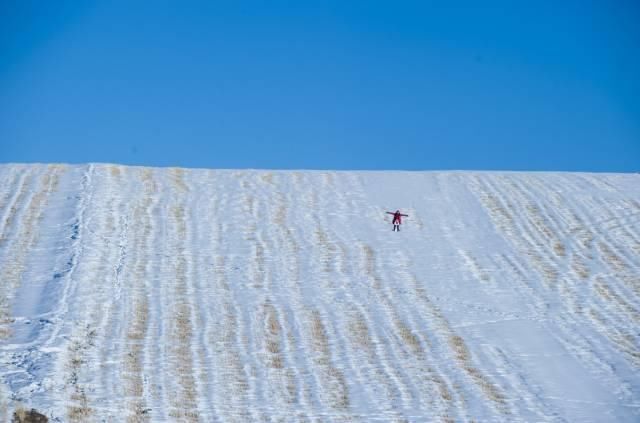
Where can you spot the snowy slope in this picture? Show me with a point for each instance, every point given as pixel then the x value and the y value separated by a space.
pixel 201 295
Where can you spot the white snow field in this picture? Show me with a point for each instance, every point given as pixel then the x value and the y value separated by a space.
pixel 144 294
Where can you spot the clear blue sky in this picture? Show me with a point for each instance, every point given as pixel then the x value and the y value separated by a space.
pixel 514 85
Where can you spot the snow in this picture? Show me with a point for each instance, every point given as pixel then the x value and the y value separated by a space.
pixel 221 295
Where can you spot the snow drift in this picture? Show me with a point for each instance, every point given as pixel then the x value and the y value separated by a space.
pixel 204 295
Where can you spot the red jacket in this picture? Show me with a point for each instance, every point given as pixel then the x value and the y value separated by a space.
pixel 397 217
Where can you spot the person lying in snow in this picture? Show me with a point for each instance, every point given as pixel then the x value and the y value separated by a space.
pixel 397 219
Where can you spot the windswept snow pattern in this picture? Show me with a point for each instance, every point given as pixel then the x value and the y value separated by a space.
pixel 142 294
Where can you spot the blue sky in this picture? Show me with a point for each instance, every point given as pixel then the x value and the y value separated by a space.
pixel 424 85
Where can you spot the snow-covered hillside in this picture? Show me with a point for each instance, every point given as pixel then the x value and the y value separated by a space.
pixel 201 295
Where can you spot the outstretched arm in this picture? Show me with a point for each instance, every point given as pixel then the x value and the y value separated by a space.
pixel 405 215
pixel 390 213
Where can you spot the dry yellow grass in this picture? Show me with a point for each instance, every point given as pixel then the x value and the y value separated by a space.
pixel 436 386
pixel 369 260
pixel 78 409
pixel 272 336
pixel 408 337
pixel 25 237
pixel 542 262
pixel 624 341
pixel 133 358
pixel 547 270
pixel 463 357
pixel 319 334
pixel 327 249
pixel 115 171
pixel 228 360
pixel 184 402
pixel 493 204
pixel 579 267
pixel 177 179
pixel 608 294
pixel 249 204
pixel 13 209
pixel 536 217
pixel 137 331
pixel 267 177
pixel 612 259
pixel 281 214
pixel 333 378
pixel 475 267
pixel 559 249
pixel 360 332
